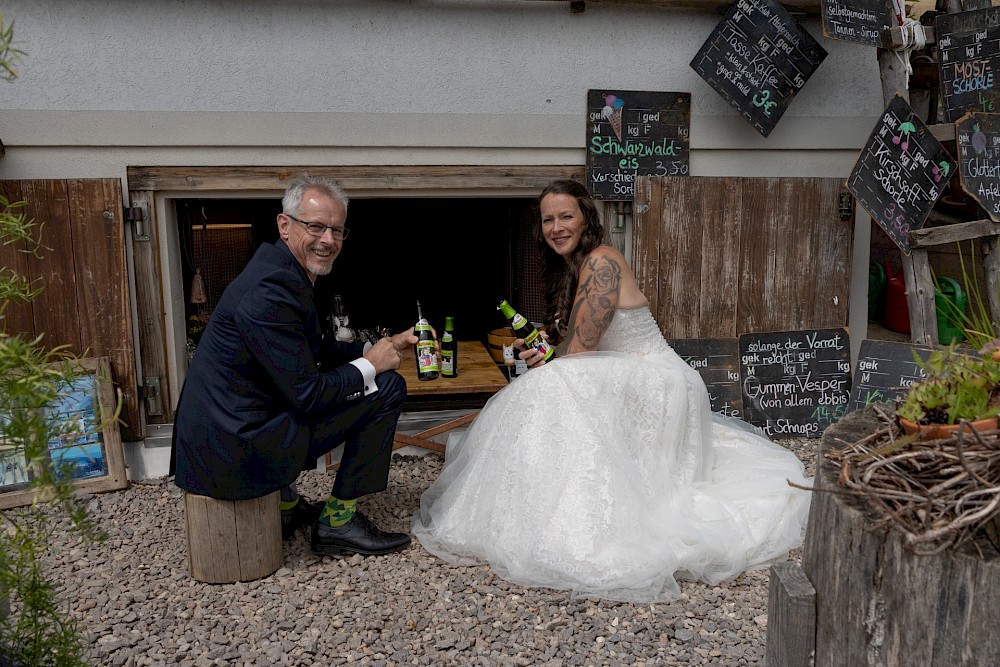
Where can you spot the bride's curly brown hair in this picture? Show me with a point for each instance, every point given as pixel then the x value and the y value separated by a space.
pixel 560 276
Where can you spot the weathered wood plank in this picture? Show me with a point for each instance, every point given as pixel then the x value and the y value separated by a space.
pixel 17 318
pixel 791 617
pixel 646 213
pixel 55 308
pixel 150 307
pixel 103 306
pixel 959 231
pixel 529 179
pixel 920 297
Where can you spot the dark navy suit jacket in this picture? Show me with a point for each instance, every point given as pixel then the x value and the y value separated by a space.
pixel 261 375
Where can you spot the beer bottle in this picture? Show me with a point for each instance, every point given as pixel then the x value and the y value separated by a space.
pixel 449 349
pixel 526 330
pixel 427 364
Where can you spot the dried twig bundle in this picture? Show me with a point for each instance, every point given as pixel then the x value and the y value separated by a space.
pixel 940 493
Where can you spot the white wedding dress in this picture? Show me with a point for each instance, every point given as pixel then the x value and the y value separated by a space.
pixel 607 474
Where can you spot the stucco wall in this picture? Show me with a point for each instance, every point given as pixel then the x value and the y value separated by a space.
pixel 116 83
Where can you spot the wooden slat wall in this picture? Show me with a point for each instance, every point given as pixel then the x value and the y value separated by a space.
pixel 719 257
pixel 12 259
pixel 84 303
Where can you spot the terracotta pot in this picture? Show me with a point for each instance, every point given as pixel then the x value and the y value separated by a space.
pixel 935 431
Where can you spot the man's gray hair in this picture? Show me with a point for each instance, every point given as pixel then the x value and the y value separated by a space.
pixel 291 203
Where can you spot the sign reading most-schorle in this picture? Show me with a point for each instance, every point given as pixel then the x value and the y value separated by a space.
pixel 968 56
pixel 757 58
pixel 635 132
pixel 901 172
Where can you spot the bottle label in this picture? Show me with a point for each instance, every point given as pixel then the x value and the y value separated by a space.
pixel 426 354
pixel 536 341
pixel 447 362
pixel 518 321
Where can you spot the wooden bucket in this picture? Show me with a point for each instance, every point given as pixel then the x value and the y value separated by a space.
pixel 496 339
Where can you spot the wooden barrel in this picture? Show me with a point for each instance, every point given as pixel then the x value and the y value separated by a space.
pixel 877 603
pixel 496 339
pixel 233 540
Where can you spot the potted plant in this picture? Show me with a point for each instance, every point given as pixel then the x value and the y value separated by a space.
pixel 957 387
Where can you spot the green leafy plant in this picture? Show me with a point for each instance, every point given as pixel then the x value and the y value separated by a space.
pixel 955 386
pixel 37 628
pixel 976 322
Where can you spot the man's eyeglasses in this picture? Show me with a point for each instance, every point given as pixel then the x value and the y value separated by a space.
pixel 317 229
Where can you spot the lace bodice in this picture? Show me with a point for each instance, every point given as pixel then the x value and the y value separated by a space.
pixel 634 332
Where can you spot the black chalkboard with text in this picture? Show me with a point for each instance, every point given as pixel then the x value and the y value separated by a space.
pixel 859 21
pixel 885 371
pixel 900 173
pixel 978 141
pixel 968 58
pixel 717 360
pixel 635 133
pixel 795 383
pixel 757 58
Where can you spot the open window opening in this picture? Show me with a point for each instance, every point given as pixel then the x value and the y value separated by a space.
pixel 458 256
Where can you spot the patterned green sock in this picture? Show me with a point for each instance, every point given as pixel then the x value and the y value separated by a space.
pixel 287 504
pixel 338 512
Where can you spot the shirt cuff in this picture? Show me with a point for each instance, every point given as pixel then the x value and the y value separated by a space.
pixel 367 372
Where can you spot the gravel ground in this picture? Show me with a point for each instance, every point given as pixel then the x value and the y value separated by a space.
pixel 135 599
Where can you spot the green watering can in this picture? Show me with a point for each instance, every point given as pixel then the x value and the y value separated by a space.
pixel 949 301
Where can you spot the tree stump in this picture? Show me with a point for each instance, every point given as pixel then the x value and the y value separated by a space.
pixel 232 540
pixel 879 604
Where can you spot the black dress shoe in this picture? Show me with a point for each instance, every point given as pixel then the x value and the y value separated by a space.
pixel 303 515
pixel 357 536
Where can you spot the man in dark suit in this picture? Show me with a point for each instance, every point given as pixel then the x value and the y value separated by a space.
pixel 266 395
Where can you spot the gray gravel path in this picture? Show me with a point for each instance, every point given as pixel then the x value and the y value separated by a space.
pixel 135 599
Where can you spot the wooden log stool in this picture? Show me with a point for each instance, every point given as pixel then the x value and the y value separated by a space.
pixel 233 540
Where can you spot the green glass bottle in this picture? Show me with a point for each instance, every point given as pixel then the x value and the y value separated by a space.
pixel 523 328
pixel 427 363
pixel 449 349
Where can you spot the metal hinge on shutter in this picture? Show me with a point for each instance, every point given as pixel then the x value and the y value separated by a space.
pixel 150 390
pixel 846 206
pixel 138 215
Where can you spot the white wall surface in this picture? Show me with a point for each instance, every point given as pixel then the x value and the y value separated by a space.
pixel 118 82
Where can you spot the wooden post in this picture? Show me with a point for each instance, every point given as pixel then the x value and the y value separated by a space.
pixel 791 617
pixel 916 266
pixel 233 540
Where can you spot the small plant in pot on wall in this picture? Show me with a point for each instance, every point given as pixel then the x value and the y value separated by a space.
pixel 957 387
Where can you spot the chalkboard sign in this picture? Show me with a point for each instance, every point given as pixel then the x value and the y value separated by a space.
pixel 718 362
pixel 978 137
pixel 968 57
pixel 635 133
pixel 885 371
pixel 757 58
pixel 795 383
pixel 901 172
pixel 859 21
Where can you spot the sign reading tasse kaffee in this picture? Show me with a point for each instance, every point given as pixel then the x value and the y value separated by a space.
pixel 758 58
pixel 632 132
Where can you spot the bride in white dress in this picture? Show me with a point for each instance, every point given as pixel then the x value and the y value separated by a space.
pixel 604 471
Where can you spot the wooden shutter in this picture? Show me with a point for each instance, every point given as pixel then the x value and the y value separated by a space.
pixel 722 256
pixel 82 272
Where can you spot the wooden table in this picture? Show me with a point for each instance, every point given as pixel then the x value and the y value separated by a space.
pixel 479 377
